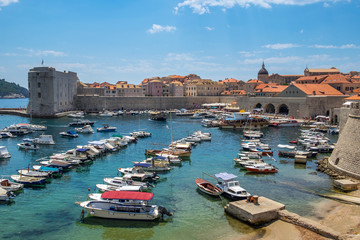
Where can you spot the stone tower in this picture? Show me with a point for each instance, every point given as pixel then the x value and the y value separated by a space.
pixel 263 74
pixel 50 91
pixel 346 155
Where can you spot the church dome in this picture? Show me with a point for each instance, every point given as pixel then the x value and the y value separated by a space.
pixel 263 70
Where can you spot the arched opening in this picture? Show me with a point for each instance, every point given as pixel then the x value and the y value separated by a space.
pixel 327 113
pixel 270 108
pixel 283 109
pixel 258 105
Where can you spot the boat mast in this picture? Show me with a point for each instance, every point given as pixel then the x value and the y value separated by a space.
pixel 171 130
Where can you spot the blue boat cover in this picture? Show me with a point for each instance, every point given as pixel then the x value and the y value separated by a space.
pixel 82 149
pixel 50 169
pixel 142 165
pixel 159 157
pixel 71 132
pixel 225 176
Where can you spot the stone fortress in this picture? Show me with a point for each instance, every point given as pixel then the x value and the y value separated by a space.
pixel 346 155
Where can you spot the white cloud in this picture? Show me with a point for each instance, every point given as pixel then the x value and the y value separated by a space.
pixel 279 46
pixel 209 28
pixel 302 31
pixel 32 52
pixel 345 46
pixel 158 28
pixel 326 5
pixel 179 57
pixel 203 6
pixel 4 3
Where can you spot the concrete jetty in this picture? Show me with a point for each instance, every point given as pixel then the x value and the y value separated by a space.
pixel 264 211
pixel 267 210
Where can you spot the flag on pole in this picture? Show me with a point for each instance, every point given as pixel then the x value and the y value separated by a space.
pixel 42 62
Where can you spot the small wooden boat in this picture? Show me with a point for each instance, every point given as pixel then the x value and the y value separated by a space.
pixel 293 142
pixel 32 173
pixel 10 186
pixel 208 188
pixel 4 153
pixel 180 153
pixel 28 181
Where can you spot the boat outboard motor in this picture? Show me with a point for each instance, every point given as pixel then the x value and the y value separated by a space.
pixel 163 211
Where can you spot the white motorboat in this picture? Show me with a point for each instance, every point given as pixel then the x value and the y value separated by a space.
pixel 27 146
pixel 85 129
pixel 10 186
pixel 106 128
pixel 106 114
pixel 121 181
pixel 76 115
pixel 140 134
pixel 106 187
pixel 4 153
pixel 230 186
pixel 44 139
pixel 118 210
pixel 6 195
pixel 6 135
pixel 139 173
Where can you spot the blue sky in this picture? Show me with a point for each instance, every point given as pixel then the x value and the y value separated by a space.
pixel 130 40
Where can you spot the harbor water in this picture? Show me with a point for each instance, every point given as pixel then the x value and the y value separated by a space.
pixel 51 212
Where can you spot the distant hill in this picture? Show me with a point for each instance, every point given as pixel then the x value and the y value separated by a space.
pixel 12 90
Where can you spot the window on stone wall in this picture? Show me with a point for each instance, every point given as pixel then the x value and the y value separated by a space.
pixel 39 84
pixel 39 95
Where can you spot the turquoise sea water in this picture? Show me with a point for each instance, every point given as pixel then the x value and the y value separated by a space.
pixel 51 212
pixel 14 103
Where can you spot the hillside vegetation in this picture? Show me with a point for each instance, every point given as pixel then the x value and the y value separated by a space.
pixel 7 88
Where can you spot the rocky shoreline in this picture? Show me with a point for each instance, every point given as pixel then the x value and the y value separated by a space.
pixel 323 166
pixel 12 96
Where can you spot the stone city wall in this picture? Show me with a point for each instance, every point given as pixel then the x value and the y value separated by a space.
pixel 99 103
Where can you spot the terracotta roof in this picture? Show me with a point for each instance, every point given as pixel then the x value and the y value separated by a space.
pixel 178 76
pixel 230 80
pixel 355 97
pixel 335 78
pixel 324 70
pixel 318 89
pixel 311 78
pixel 357 90
pixel 265 85
pixel 272 89
pixel 156 81
pixel 176 83
pixel 254 81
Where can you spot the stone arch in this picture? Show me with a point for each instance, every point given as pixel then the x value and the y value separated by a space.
pixel 283 109
pixel 258 105
pixel 269 108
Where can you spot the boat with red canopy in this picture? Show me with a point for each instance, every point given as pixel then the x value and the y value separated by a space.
pixel 118 205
